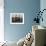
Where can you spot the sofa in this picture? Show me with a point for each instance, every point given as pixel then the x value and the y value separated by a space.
pixel 39 37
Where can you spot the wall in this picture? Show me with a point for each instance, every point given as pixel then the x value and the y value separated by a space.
pixel 28 7
pixel 43 6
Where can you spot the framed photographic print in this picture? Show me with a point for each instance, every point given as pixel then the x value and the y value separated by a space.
pixel 16 18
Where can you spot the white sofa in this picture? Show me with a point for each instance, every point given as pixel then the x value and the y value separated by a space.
pixel 39 34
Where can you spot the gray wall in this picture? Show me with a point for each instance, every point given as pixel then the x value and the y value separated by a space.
pixel 28 7
pixel 43 6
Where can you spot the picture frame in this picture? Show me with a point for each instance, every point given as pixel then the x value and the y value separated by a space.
pixel 16 18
